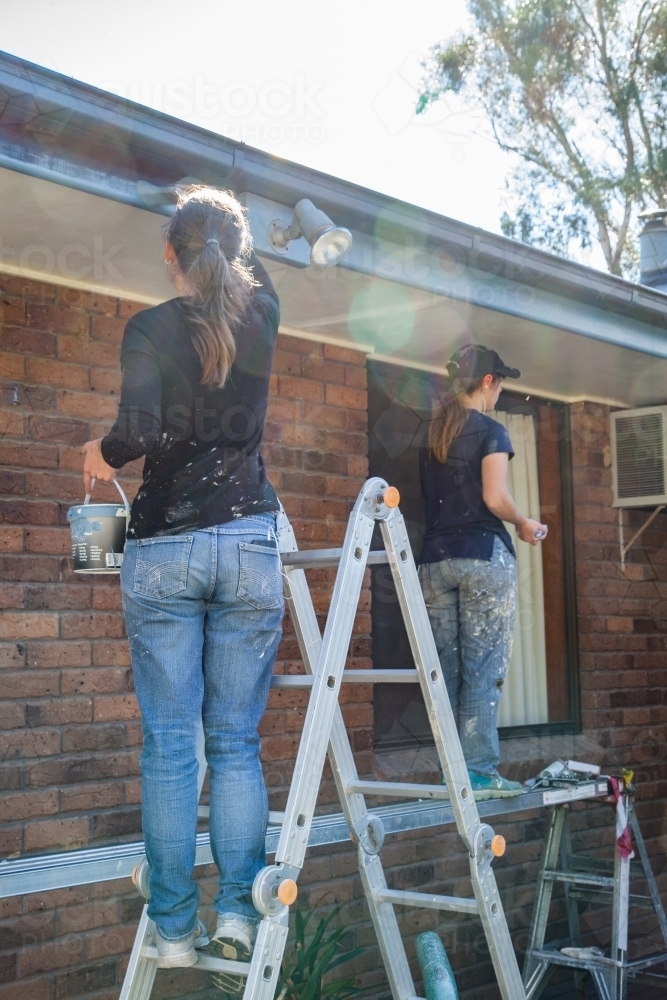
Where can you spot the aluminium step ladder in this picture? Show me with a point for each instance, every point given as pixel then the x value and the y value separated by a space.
pixel 591 880
pixel 324 659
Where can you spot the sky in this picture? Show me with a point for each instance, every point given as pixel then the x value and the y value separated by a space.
pixel 331 86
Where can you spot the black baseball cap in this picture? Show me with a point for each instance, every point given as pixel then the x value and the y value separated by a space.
pixel 476 361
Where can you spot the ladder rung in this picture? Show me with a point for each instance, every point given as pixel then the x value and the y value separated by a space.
pixel 557 958
pixel 312 558
pixel 349 677
pixel 603 896
pixel 643 963
pixel 586 863
pixel 207 962
pixel 399 789
pixel 459 904
pixel 579 878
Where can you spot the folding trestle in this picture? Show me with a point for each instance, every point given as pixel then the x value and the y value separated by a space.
pixel 324 659
pixel 583 879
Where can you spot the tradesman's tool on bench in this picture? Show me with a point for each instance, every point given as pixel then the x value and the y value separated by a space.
pixel 324 657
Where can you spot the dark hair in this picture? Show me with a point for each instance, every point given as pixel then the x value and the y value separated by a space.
pixel 452 415
pixel 212 242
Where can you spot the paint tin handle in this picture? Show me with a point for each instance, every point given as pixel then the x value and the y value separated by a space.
pixel 118 487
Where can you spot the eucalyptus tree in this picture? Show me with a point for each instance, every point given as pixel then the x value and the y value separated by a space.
pixel 578 89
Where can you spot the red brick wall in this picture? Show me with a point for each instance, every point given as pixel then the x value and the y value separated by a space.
pixel 71 736
pixel 622 623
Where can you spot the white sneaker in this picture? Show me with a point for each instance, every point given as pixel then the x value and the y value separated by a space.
pixel 234 939
pixel 181 954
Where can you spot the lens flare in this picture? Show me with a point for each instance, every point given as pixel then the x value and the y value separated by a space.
pixel 383 316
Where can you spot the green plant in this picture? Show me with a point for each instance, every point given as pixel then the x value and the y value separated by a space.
pixel 303 971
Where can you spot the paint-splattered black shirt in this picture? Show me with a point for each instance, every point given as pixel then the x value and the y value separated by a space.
pixel 459 525
pixel 203 464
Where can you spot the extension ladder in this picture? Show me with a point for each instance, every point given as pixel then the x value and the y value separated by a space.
pixel 591 880
pixel 324 658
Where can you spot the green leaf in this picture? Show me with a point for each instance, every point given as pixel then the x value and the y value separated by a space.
pixel 304 968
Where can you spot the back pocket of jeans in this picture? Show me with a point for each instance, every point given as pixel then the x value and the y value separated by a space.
pixel 260 581
pixel 161 569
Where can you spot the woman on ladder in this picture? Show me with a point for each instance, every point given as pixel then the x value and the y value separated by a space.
pixel 467 566
pixel 200 581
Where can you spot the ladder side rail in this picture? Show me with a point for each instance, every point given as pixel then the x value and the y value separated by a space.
pixel 324 698
pixel 494 922
pixel 570 903
pixel 267 956
pixel 571 907
pixel 648 871
pixel 390 941
pixel 539 978
pixel 140 972
pixel 534 970
pixel 601 978
pixel 440 714
pixel 345 772
pixel 309 638
pixel 432 683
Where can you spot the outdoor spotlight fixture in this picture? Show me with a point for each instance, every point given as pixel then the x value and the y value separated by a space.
pixel 329 244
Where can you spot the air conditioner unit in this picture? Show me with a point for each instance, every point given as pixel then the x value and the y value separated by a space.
pixel 639 456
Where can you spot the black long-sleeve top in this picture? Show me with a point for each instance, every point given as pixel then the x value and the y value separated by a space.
pixel 202 445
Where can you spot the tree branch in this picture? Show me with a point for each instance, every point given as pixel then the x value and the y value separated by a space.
pixel 576 89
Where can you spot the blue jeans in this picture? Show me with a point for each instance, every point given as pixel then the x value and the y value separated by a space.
pixel 471 604
pixel 203 612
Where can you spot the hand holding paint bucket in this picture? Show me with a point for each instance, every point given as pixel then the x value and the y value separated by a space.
pixel 98 534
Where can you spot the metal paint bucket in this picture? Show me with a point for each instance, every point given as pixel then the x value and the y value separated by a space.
pixel 98 534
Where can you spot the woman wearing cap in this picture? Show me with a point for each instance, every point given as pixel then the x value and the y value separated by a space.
pixel 468 563
pixel 201 583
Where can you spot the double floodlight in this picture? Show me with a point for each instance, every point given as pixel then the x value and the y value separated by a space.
pixel 329 244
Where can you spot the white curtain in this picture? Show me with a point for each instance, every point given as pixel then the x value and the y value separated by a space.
pixel 524 697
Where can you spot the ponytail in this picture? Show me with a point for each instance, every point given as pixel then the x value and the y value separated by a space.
pixel 451 418
pixel 211 239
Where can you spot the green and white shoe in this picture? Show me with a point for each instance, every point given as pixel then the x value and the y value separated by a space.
pixel 492 786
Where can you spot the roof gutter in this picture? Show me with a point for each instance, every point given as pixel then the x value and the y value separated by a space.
pixel 67 174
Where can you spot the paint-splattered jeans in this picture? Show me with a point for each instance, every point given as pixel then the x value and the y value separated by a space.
pixel 203 612
pixel 471 604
